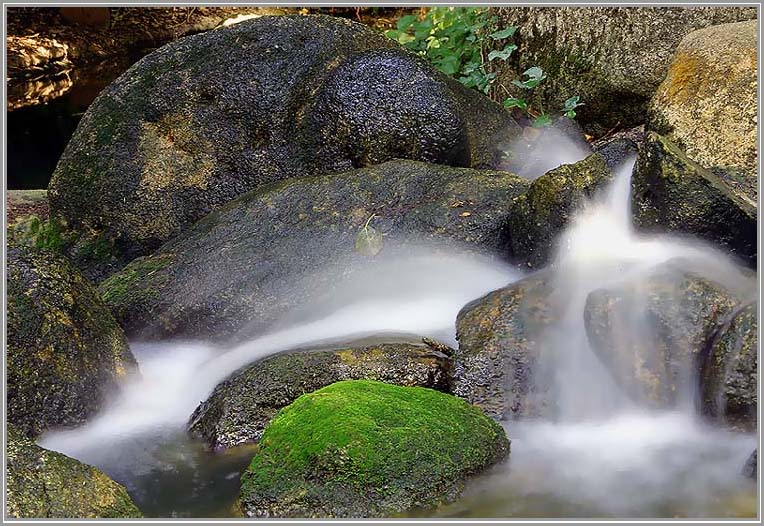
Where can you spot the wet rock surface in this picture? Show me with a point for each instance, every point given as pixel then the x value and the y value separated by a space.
pixel 538 216
pixel 652 332
pixel 65 351
pixel 242 268
pixel 728 382
pixel 673 194
pixel 496 364
pixel 240 408
pixel 368 449
pixel 46 484
pixel 209 117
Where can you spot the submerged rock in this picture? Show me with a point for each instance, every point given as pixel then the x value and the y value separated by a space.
pixel 707 104
pixel 672 193
pixel 750 468
pixel 240 408
pixel 209 117
pixel 65 351
pixel 537 217
pixel 368 449
pixel 242 268
pixel 614 58
pixel 45 484
pixel 500 343
pixel 651 331
pixel 728 382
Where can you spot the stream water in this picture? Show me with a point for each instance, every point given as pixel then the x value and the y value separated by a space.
pixel 602 455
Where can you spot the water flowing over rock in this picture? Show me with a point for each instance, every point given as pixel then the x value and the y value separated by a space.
pixel 652 331
pixel 239 270
pixel 209 117
pixel 46 484
pixel 707 103
pixel 614 58
pixel 242 406
pixel 538 216
pixel 672 193
pixel 368 449
pixel 495 366
pixel 65 351
pixel 729 380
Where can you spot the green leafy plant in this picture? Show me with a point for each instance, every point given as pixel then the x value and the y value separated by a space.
pixel 455 40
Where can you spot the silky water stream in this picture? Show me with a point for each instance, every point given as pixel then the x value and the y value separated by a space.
pixel 601 454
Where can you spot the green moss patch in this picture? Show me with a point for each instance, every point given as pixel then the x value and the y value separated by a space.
pixel 365 448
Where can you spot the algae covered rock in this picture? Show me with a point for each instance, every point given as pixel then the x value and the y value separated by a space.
pixel 239 409
pixel 46 484
pixel 538 216
pixel 496 366
pixel 368 449
pixel 238 271
pixel 211 116
pixel 65 351
pixel 707 104
pixel 613 58
pixel 651 332
pixel 728 385
pixel 672 193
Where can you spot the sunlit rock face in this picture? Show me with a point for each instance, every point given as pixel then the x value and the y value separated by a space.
pixel 209 117
pixel 711 65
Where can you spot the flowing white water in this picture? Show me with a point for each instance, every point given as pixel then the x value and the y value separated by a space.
pixel 419 295
pixel 601 454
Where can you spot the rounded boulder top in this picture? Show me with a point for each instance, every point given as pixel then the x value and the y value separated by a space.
pixel 209 117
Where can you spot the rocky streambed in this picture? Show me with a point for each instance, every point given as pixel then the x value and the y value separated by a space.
pixel 308 287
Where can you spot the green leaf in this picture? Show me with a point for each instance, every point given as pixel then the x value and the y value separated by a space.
pixel 535 76
pixel 542 120
pixel 515 103
pixel 405 21
pixel 572 103
pixel 504 33
pixel 405 38
pixel 571 114
pixel 503 54
pixel 368 242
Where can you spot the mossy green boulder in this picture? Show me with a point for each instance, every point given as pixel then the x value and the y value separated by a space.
pixel 539 216
pixel 671 193
pixel 240 408
pixel 652 331
pixel 242 269
pixel 496 366
pixel 728 385
pixel 361 448
pixel 43 484
pixel 65 351
pixel 211 116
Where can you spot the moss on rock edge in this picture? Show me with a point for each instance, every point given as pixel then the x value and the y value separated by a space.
pixel 361 448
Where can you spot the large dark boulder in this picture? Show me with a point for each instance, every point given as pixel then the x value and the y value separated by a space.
pixel 496 366
pixel 45 484
pixel 728 384
pixel 209 117
pixel 539 216
pixel 240 408
pixel 65 351
pixel 246 265
pixel 673 194
pixel 651 331
pixel 360 448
